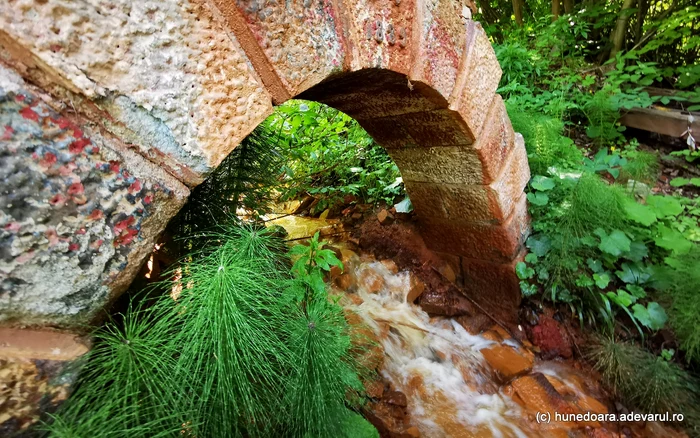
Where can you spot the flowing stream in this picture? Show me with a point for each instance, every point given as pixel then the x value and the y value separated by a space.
pixel 458 384
pixel 452 390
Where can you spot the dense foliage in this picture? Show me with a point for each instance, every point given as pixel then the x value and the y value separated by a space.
pixel 605 244
pixel 237 338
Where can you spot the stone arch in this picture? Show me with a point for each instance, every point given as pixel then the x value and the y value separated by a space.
pixel 155 94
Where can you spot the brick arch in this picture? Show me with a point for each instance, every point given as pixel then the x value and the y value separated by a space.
pixel 149 97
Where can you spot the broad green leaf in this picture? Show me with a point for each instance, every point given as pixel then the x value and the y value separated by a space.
pixel 638 251
pixel 538 198
pixel 639 213
pixel 636 291
pixel 531 258
pixel 543 183
pixel 621 298
pixel 595 265
pixel 677 182
pixel 664 206
pixel 539 245
pixel 601 280
pixel 615 243
pixel 632 273
pixel 653 316
pixel 523 271
pixel 672 240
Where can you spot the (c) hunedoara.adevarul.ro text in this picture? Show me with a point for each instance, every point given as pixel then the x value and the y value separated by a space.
pixel 557 417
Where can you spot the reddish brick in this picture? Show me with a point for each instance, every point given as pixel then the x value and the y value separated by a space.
pixel 499 243
pixel 493 285
pixel 478 79
pixel 495 142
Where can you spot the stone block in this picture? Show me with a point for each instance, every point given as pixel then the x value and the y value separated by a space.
pixel 35 375
pixel 79 211
pixel 167 74
pixel 494 285
pixel 496 141
pixel 389 132
pixel 426 199
pixel 441 49
pixel 436 128
pixel 478 240
pixel 302 41
pixel 439 165
pixel 381 34
pixel 478 79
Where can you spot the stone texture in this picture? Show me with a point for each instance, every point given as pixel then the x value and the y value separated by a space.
pixel 135 99
pixel 165 70
pixel 494 285
pixel 442 44
pixel 78 211
pixel 451 165
pixel 301 40
pixel 478 240
pixel 496 141
pixel 478 79
pixel 381 34
pixel 37 369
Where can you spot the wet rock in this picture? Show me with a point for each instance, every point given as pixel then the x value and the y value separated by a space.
pixel 447 272
pixel 538 395
pixel 384 217
pixel 390 265
pixel 508 362
pixel 374 388
pixel 370 280
pixel 396 398
pixel 413 432
pixel 365 346
pixel 345 282
pixel 551 338
pixel 448 303
pixel 416 289
pixel 304 205
pixel 475 324
pixel 391 421
pixel 355 299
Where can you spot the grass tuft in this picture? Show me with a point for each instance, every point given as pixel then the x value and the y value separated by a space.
pixel 643 380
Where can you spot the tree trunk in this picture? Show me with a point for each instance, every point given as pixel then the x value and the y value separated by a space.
pixel 641 15
pixel 518 12
pixel 568 6
pixel 489 14
pixel 555 9
pixel 618 36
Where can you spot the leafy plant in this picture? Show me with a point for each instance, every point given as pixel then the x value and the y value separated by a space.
pixel 328 155
pixel 233 342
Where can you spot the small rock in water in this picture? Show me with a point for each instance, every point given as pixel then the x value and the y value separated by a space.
pixel 374 388
pixel 508 362
pixel 475 324
pixel 371 281
pixel 415 290
pixel 396 398
pixel 390 265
